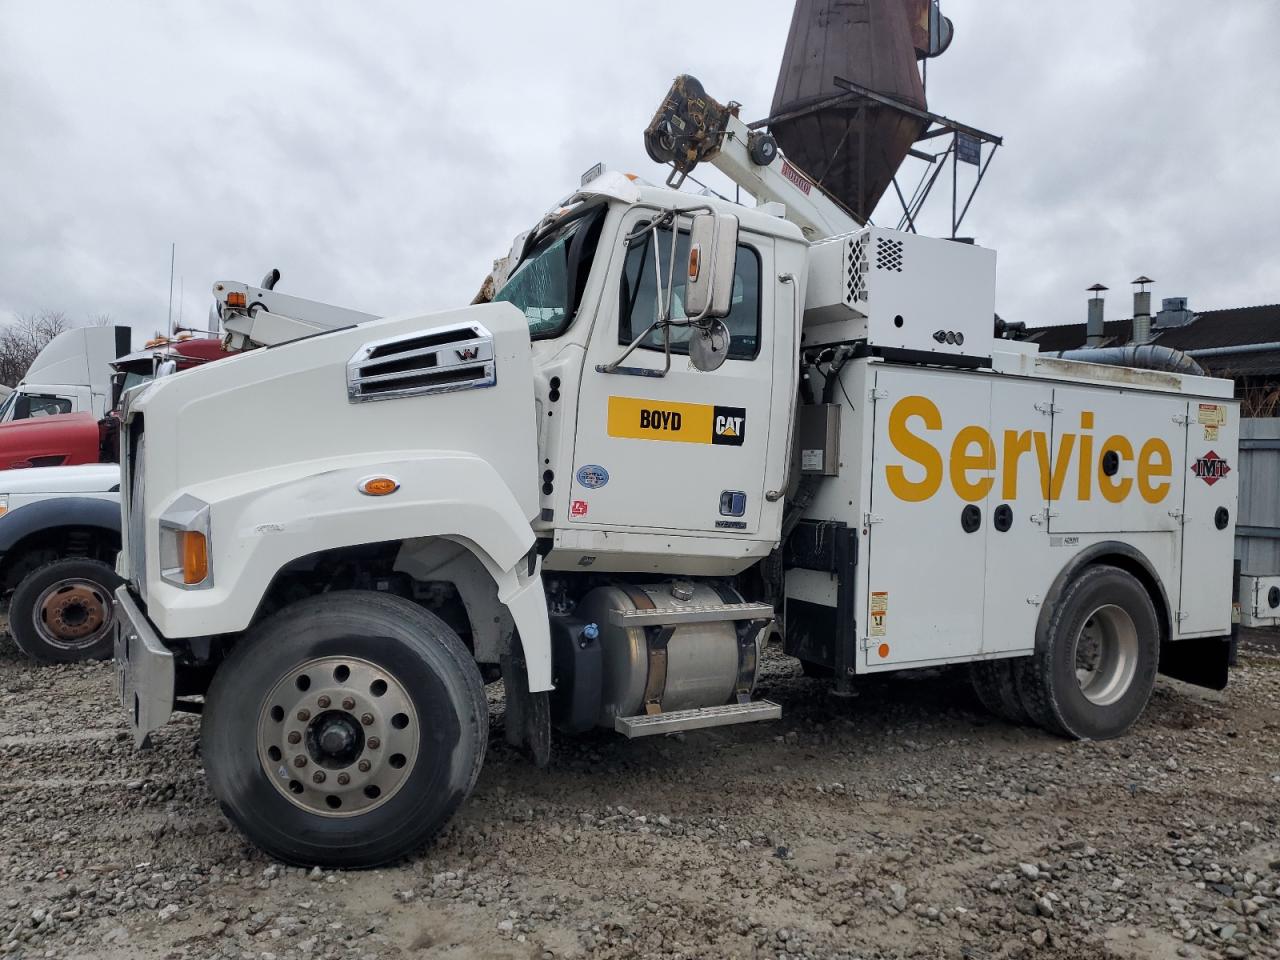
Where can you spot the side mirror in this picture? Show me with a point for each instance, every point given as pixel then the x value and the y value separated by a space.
pixel 713 251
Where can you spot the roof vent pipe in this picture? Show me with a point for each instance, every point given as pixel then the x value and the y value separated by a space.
pixel 1095 329
pixel 1142 311
pixel 1149 356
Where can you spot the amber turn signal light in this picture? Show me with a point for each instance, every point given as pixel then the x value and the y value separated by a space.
pixel 378 486
pixel 195 557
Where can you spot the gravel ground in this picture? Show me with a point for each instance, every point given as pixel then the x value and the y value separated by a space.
pixel 901 823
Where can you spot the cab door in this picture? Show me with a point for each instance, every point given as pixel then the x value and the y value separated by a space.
pixel 682 450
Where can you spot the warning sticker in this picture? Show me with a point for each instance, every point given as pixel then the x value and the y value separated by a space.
pixel 1213 414
pixel 879 614
pixel 811 459
pixel 1211 431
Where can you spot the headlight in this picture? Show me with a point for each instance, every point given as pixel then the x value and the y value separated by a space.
pixel 184 544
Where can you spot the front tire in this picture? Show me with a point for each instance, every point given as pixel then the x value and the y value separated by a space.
pixel 1096 667
pixel 63 612
pixel 345 730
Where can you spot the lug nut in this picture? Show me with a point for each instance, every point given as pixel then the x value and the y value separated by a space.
pixel 304 715
pixel 373 743
pixel 364 766
pixel 295 736
pixel 344 778
pixel 299 761
pixel 323 702
pixel 348 703
pixel 367 719
pixel 318 776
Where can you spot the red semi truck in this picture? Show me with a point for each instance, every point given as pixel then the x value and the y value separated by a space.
pixel 68 439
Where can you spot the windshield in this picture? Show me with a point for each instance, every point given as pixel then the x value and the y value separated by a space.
pixel 6 408
pixel 547 286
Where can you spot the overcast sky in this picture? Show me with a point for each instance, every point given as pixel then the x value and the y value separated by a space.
pixel 381 155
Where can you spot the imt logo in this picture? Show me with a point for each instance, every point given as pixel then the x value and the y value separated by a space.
pixel 729 426
pixel 1210 468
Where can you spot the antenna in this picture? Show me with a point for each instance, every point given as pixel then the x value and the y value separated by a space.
pixel 172 249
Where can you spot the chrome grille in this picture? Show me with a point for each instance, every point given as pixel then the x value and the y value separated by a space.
pixel 442 360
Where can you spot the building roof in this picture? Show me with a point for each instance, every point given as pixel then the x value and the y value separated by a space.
pixel 1069 336
pixel 1225 328
pixel 1240 326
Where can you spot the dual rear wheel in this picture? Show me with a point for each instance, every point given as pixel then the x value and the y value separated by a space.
pixel 1094 670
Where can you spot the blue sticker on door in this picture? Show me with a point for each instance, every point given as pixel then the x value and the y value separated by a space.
pixel 592 476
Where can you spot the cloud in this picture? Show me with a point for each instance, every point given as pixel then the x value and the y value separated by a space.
pixel 381 156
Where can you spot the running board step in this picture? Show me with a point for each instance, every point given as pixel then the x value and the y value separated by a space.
pixel 680 616
pixel 676 720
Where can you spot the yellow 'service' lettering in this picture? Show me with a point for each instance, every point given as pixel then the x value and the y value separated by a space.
pixel 914 448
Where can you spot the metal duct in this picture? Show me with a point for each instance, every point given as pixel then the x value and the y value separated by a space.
pixel 1144 356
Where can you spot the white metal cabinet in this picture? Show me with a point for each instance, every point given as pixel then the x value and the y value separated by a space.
pixel 926 575
pixel 1211 485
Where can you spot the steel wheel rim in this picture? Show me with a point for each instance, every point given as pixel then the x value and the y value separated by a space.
pixel 338 736
pixel 73 614
pixel 1106 654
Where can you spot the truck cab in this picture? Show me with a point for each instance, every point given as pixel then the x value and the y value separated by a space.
pixel 72 374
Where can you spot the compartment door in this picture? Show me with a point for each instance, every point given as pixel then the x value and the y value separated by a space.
pixel 925 567
pixel 1212 485
pixel 1116 460
pixel 1018 553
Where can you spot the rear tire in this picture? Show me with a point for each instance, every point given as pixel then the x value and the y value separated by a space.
pixel 64 611
pixel 996 688
pixel 1096 667
pixel 346 730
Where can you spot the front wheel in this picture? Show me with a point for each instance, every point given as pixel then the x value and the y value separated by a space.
pixel 64 611
pixel 345 730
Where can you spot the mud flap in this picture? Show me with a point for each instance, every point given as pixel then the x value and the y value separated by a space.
pixel 528 722
pixel 1203 663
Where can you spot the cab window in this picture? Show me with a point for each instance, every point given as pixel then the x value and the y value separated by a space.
pixel 40 405
pixel 547 285
pixel 639 296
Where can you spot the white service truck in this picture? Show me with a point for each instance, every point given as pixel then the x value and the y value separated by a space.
pixel 685 426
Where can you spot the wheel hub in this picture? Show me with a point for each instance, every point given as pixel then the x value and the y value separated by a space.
pixel 1106 655
pixel 72 613
pixel 335 739
pixel 338 736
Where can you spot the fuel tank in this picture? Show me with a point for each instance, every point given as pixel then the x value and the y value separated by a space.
pixel 874 43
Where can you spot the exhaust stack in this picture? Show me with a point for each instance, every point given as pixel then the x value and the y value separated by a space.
pixel 1095 328
pixel 1142 311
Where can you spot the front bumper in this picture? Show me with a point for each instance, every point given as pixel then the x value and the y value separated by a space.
pixel 144 670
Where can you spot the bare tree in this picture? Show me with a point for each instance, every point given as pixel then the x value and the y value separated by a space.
pixel 25 337
pixel 100 320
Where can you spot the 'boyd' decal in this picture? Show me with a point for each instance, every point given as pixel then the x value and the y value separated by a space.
pixel 633 418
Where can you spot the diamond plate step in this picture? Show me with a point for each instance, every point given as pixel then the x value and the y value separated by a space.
pixel 702 613
pixel 676 720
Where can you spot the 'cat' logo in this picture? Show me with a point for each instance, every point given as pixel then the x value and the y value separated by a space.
pixel 729 426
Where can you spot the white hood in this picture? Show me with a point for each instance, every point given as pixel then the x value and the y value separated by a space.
pixel 87 478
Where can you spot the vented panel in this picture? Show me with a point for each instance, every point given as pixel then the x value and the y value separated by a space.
pixel 856 269
pixel 888 254
pixel 441 360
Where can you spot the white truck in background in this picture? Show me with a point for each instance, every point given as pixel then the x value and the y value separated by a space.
pixel 72 374
pixel 684 427
pixel 59 534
